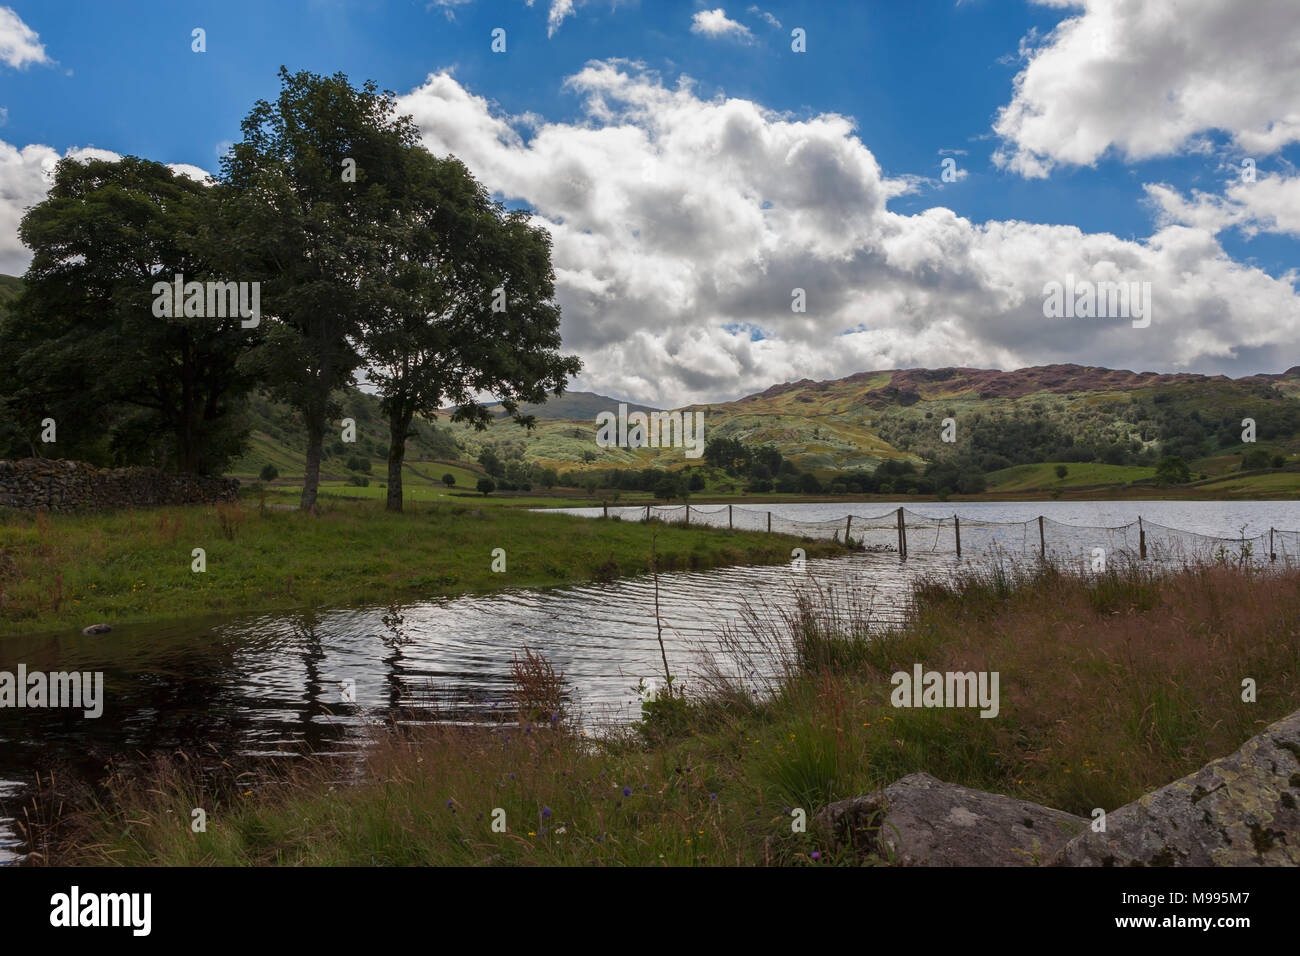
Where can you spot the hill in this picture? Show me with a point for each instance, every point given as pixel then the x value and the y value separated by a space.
pixel 1054 413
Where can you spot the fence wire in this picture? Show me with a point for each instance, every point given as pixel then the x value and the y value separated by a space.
pixel 905 531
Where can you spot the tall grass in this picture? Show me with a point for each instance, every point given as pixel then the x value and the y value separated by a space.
pixel 1111 685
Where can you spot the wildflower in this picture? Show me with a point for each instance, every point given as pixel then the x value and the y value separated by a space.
pixel 816 854
pixel 627 791
pixel 546 813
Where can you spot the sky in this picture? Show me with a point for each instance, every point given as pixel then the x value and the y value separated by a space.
pixel 744 195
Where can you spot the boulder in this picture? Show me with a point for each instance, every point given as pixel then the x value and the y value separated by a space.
pixel 921 821
pixel 93 629
pixel 1240 810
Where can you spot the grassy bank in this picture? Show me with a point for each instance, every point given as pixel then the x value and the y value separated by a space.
pixel 69 571
pixel 1110 686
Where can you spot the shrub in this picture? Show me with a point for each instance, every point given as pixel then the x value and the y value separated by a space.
pixel 449 480
pixel 486 486
pixel 269 473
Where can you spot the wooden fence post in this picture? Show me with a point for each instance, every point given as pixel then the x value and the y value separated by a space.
pixel 688 514
pixel 604 505
pixel 647 512
pixel 848 525
pixel 1042 539
pixel 1272 555
pixel 956 523
pixel 902 537
pixel 769 522
pixel 1142 539
pixel 730 526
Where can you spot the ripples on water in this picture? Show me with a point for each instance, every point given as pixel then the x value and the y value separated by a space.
pixel 264 685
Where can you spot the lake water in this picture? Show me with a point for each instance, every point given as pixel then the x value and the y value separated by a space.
pixel 266 684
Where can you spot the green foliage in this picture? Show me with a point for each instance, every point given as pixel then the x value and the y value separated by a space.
pixel 1172 470
pixel 268 473
pixel 486 486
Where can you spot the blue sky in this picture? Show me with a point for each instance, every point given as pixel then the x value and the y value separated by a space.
pixel 918 81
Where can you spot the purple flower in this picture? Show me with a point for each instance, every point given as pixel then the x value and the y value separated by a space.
pixel 627 791
pixel 816 855
pixel 713 796
pixel 546 813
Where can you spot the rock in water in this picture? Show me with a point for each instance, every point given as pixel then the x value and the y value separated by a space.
pixel 921 821
pixel 1240 810
pixel 97 629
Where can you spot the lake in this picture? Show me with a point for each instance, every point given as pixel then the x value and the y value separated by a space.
pixel 260 685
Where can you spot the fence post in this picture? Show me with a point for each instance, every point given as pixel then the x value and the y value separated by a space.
pixel 848 524
pixel 1272 555
pixel 956 523
pixel 647 513
pixel 1142 540
pixel 902 537
pixel 769 522
pixel 604 505
pixel 688 513
pixel 1042 539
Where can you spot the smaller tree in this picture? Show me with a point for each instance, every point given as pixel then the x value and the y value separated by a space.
pixel 449 480
pixel 1256 458
pixel 486 486
pixel 1172 470
pixel 269 473
pixel 1061 471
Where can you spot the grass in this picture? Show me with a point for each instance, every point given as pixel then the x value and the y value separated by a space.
pixel 128 567
pixel 1110 686
pixel 1033 477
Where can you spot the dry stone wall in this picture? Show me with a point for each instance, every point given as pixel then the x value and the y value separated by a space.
pixel 63 486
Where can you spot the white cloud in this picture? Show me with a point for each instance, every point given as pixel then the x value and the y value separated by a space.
pixel 25 179
pixel 448 7
pixel 1149 78
pixel 714 23
pixel 19 44
pixel 1270 204
pixel 680 224
pixel 767 17
pixel 559 12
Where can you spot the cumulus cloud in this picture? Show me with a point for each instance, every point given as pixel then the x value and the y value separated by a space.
pixel 682 225
pixel 1269 204
pixel 25 179
pixel 1149 78
pixel 714 23
pixel 19 44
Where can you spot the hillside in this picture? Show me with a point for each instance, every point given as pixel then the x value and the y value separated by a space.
pixel 1055 413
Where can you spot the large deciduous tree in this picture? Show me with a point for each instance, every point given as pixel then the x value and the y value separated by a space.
pixel 319 177
pixel 83 344
pixel 465 307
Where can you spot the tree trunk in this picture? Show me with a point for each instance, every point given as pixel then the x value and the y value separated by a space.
pixel 310 481
pixel 398 427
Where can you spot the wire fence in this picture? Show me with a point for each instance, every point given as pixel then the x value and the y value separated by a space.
pixel 904 531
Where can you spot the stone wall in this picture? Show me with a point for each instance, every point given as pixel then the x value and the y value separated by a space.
pixel 63 486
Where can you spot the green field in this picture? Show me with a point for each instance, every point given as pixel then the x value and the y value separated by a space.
pixel 128 567
pixel 1034 477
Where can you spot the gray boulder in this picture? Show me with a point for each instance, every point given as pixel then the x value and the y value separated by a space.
pixel 1240 810
pixel 921 821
